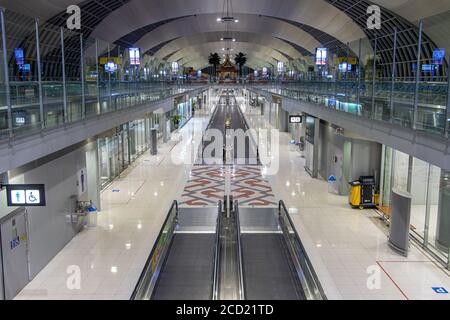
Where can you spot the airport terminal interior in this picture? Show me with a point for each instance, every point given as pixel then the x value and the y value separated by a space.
pixel 224 150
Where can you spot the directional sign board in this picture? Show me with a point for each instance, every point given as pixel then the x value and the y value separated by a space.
pixel 295 119
pixel 30 195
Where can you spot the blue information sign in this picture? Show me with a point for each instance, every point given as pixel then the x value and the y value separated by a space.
pixel 440 290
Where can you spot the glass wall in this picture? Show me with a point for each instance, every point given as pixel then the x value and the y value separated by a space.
pixel 185 111
pixel 430 191
pixel 117 150
pixel 295 129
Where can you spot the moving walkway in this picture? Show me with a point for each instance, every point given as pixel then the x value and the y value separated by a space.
pixel 181 265
pixel 275 263
pixel 211 254
pixel 228 252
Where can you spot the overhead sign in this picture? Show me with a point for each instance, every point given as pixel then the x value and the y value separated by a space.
pixel 135 56
pixel 31 195
pixel 345 67
pixel 280 66
pixel 105 60
pixel 295 119
pixel 321 56
pixel 438 56
pixel 175 67
pixel 19 55
pixel 349 60
pixel 111 67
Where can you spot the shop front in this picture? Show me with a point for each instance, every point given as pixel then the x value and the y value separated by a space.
pixel 113 154
pixel 183 110
pixel 119 147
pixel 139 137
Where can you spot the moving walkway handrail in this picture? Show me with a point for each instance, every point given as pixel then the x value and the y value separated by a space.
pixel 155 263
pixel 305 271
pixel 240 256
pixel 216 280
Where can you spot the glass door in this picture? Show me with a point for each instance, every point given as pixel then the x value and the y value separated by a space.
pixel 103 159
pixel 420 194
pixel 438 235
pixel 114 157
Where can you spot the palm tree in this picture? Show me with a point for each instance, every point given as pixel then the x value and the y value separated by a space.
pixel 214 61
pixel 240 59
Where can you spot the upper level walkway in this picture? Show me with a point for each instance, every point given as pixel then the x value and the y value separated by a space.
pixel 415 124
pixel 425 107
pixel 34 125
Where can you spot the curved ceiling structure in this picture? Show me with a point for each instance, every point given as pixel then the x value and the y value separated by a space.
pixel 272 46
pixel 282 29
pixel 193 25
pixel 203 50
pixel 140 13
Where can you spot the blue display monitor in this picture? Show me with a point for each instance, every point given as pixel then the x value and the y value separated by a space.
pixel 111 67
pixel 438 56
pixel 26 67
pixel 345 67
pixel 19 55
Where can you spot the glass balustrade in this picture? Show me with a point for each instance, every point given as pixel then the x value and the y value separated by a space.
pixel 27 116
pixel 384 101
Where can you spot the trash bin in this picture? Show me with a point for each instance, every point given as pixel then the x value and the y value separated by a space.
pixel 92 217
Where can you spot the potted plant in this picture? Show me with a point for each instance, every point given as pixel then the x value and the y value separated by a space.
pixel 194 107
pixel 176 119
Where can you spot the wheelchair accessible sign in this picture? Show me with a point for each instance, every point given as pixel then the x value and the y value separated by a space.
pixel 30 195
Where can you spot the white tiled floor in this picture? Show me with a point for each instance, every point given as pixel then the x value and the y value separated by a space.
pixel 111 256
pixel 343 243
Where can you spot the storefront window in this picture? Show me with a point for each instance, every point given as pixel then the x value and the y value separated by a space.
pixel 117 151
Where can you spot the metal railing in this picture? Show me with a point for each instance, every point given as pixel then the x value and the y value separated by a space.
pixel 155 263
pixel 216 277
pixel 311 286
pixel 388 101
pixel 28 115
pixel 240 254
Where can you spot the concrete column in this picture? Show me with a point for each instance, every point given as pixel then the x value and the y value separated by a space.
pixel 284 120
pixel 443 225
pixel 93 174
pixel 315 171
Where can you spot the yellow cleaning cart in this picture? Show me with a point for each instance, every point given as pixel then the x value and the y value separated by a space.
pixel 362 193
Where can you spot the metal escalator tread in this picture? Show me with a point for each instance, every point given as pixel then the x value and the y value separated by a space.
pixel 267 272
pixel 188 272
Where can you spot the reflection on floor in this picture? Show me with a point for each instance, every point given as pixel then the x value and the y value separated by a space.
pixel 250 188
pixel 206 187
pixel 107 260
pixel 347 247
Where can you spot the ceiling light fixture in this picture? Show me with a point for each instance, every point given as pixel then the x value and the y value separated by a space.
pixel 227 18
